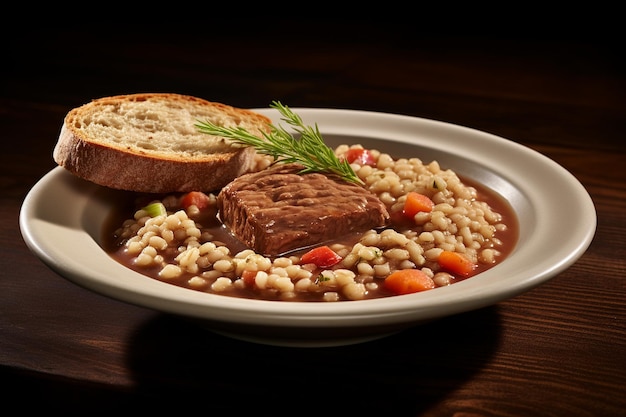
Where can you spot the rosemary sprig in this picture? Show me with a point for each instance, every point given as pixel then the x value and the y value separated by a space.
pixel 309 149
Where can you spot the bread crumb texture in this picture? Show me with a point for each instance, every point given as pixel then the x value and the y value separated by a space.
pixel 159 123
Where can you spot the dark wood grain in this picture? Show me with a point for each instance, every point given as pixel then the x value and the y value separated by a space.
pixel 557 350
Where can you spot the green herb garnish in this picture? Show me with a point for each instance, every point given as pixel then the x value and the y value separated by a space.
pixel 309 149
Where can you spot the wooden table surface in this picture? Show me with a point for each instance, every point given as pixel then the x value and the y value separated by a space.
pixel 557 350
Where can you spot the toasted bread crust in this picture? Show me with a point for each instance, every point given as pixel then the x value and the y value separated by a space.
pixel 148 143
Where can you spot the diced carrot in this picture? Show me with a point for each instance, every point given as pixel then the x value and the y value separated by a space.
pixel 322 256
pixel 408 281
pixel 456 263
pixel 416 202
pixel 360 156
pixel 248 277
pixel 197 198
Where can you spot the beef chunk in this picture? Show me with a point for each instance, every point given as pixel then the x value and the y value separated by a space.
pixel 279 210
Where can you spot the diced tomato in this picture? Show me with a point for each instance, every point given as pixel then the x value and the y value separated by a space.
pixel 248 277
pixel 197 198
pixel 322 256
pixel 360 156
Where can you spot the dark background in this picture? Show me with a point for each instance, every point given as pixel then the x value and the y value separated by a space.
pixel 558 350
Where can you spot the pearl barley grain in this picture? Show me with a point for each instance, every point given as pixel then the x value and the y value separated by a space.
pixel 190 253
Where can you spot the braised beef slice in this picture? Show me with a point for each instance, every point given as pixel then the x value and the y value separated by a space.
pixel 278 210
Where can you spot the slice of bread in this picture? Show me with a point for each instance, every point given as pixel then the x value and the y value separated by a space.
pixel 149 143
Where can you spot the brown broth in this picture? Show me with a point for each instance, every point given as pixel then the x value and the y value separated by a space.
pixel 210 221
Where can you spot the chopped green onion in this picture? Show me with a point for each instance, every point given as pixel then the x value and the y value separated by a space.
pixel 155 209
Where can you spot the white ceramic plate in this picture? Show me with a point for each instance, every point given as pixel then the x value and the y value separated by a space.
pixel 62 216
